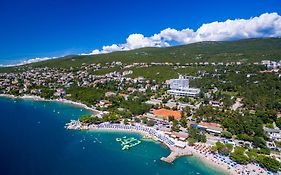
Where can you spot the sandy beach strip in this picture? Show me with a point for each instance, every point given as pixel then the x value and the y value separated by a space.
pixel 206 159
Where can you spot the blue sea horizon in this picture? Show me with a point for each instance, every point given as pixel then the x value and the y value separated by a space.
pixel 34 141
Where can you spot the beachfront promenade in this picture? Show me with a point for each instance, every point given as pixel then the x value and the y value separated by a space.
pixel 156 134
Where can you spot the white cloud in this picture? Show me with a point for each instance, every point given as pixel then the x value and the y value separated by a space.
pixel 94 52
pixel 32 60
pixel 134 41
pixel 183 36
pixel 265 25
pixel 112 48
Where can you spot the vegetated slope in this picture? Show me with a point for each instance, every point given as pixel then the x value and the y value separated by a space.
pixel 247 50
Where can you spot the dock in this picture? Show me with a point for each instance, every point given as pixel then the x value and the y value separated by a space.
pixel 176 153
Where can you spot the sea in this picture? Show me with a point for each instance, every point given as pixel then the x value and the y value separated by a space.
pixel 34 141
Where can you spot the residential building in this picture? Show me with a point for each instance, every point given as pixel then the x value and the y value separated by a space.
pixel 214 128
pixel 273 134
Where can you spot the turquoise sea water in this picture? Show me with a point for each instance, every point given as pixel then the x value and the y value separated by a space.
pixel 34 141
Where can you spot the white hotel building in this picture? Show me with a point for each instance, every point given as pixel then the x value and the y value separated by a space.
pixel 180 87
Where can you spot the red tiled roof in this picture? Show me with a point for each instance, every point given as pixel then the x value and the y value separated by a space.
pixel 165 113
pixel 268 71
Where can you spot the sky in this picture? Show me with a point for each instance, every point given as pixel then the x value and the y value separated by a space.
pixel 54 28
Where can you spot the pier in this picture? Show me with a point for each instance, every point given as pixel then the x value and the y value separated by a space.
pixel 175 153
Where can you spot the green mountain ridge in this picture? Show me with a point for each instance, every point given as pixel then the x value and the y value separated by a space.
pixel 246 50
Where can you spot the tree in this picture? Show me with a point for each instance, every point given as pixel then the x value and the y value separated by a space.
pixel 150 123
pixel 187 110
pixel 252 154
pixel 89 119
pixel 111 117
pixel 249 125
pixel 144 120
pixel 85 119
pixel 223 149
pixel 137 120
pixel 126 121
pixel 219 145
pixel 278 122
pixel 201 94
pixel 259 142
pixel 95 120
pixel 245 137
pixel 165 100
pixel 182 114
pixel 191 141
pixel 265 151
pixel 214 149
pixel 183 122
pixel 269 163
pixel 171 118
pixel 226 134
pixel 197 134
pixel 239 155
pixel 229 147
pixel 202 138
pixel 184 99
pixel 267 116
pixel 175 126
pixel 88 96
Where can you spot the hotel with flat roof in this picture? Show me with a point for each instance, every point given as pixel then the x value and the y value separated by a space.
pixel 180 87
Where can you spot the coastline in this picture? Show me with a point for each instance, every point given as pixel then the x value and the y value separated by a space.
pixel 212 164
pixel 197 155
pixel 202 158
pixel 64 101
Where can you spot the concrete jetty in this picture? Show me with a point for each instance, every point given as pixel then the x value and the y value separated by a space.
pixel 176 153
